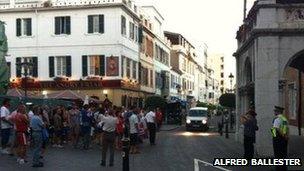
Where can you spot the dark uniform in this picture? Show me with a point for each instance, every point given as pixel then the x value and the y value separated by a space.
pixel 280 136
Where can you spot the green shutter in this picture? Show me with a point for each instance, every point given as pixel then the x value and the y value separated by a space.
pixel 51 67
pixel 101 23
pixel 18 67
pixel 29 27
pixel 18 27
pixel 84 65
pixel 68 25
pixel 57 25
pixel 35 67
pixel 102 65
pixel 68 66
pixel 140 34
pixel 90 24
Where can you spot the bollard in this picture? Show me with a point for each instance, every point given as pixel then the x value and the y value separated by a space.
pixel 125 154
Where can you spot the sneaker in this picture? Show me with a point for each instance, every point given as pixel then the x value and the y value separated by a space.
pixel 54 145
pixel 18 160
pixel 21 161
pixel 60 146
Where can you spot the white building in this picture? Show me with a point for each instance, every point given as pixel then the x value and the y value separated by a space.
pixel 77 42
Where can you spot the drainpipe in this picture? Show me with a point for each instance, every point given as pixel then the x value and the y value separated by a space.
pixel 300 104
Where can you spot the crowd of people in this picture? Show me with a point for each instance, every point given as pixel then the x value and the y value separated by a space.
pixel 36 128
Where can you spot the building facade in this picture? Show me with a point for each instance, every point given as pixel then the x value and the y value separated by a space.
pixel 87 46
pixel 270 62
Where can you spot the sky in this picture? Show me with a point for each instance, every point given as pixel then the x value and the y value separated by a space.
pixel 213 22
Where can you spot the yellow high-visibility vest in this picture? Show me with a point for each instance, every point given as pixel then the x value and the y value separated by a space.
pixel 283 130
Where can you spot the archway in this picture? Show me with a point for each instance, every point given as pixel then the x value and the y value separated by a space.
pixel 293 92
pixel 249 84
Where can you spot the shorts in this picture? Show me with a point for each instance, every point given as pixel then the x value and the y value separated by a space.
pixel 21 138
pixel 133 139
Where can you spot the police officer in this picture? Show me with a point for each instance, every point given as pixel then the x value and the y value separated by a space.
pixel 279 132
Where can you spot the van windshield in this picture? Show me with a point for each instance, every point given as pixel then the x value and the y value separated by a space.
pixel 198 113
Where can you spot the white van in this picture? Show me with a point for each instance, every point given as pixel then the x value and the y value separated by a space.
pixel 197 118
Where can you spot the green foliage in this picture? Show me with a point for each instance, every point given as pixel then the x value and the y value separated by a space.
pixel 201 104
pixel 153 102
pixel 228 100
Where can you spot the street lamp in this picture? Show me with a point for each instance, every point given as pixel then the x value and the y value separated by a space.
pixel 26 66
pixel 231 77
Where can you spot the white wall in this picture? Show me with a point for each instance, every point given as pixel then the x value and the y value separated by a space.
pixel 43 43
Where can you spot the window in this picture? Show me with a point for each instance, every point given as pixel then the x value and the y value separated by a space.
pixel 29 70
pixel 128 67
pixel 134 70
pixel 123 26
pixel 122 66
pixel 151 78
pixel 222 59
pixel 136 33
pixel 292 97
pixel 94 65
pixel 222 66
pixel 222 82
pixel 184 65
pixel 96 24
pixel 62 25
pixel 24 27
pixel 131 31
pixel 61 66
pixel 222 75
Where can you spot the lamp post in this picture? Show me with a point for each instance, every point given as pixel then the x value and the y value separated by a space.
pixel 231 77
pixel 26 66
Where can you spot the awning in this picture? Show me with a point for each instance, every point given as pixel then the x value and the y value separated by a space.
pixel 18 93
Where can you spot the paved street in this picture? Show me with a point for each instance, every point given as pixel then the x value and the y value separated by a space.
pixel 176 150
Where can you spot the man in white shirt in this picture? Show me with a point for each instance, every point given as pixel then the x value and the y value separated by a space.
pixel 109 135
pixel 133 133
pixel 151 123
pixel 6 125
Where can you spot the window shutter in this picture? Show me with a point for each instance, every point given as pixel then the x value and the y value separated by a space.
pixel 84 66
pixel 102 65
pixel 18 27
pixel 139 72
pixel 29 27
pixel 90 24
pixel 68 25
pixel 57 25
pixel 101 23
pixel 140 34
pixel 51 67
pixel 35 67
pixel 68 66
pixel 18 67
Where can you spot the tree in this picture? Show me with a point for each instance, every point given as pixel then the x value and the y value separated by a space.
pixel 227 100
pixel 201 104
pixel 155 102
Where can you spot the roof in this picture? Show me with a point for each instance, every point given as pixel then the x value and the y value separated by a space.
pixel 173 37
pixel 199 108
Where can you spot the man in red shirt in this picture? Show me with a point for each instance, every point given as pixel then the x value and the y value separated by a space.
pixel 22 124
pixel 159 118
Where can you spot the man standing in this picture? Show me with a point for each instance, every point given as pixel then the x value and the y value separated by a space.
pixel 6 125
pixel 108 139
pixel 75 125
pixel 36 125
pixel 133 133
pixel 280 135
pixel 151 123
pixel 250 127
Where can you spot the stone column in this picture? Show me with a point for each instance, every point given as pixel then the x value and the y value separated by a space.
pixel 266 91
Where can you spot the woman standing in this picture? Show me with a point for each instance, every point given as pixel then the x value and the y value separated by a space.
pixel 21 121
